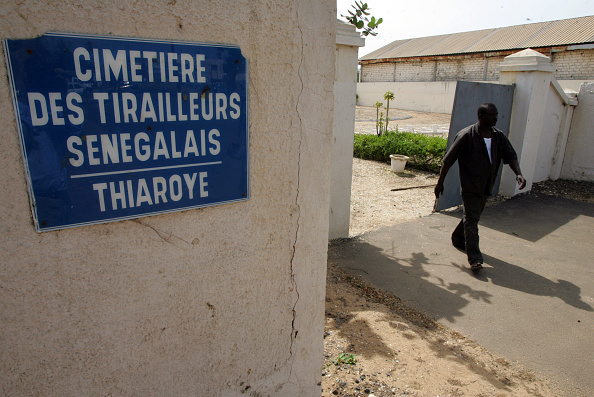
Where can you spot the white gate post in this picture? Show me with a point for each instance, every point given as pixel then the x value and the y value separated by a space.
pixel 531 73
pixel 348 41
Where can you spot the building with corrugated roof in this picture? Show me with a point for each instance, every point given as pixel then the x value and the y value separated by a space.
pixel 476 56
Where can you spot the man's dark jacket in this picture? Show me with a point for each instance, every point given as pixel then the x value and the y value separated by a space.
pixel 477 173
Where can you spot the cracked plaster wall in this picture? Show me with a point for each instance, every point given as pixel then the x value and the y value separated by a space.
pixel 209 302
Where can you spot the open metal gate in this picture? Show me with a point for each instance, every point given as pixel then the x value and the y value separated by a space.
pixel 469 96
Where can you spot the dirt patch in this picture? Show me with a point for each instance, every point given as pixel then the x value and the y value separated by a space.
pixel 375 344
pixel 574 190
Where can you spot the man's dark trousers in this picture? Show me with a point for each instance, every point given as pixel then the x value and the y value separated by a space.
pixel 466 235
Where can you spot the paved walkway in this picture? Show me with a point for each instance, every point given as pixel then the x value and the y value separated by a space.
pixel 534 300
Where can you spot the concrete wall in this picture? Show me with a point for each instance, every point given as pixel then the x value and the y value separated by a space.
pixel 531 74
pixel 577 64
pixel 578 163
pixel 348 42
pixel 436 97
pixel 210 302
pixel 553 119
pixel 467 68
pixel 574 65
pixel 573 85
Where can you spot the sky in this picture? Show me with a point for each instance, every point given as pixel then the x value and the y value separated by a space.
pixel 405 19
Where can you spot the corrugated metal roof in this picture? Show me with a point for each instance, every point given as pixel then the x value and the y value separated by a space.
pixel 508 38
pixel 565 32
pixel 414 47
pixel 457 43
pixel 542 34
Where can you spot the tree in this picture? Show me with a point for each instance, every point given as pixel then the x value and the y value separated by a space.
pixel 359 18
pixel 388 96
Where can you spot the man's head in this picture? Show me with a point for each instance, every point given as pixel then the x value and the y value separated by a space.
pixel 487 115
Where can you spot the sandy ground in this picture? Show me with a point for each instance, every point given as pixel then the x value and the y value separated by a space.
pixel 375 345
pixel 373 204
pixel 403 120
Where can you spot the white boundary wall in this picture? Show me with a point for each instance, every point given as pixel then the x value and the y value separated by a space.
pixel 220 301
pixel 435 97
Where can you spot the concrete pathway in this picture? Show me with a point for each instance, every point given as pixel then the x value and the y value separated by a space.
pixel 534 300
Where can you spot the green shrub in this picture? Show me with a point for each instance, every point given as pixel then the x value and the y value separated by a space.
pixel 425 152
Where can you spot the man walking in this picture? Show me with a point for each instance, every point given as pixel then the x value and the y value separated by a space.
pixel 479 149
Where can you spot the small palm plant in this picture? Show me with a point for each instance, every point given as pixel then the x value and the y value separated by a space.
pixel 388 96
pixel 378 122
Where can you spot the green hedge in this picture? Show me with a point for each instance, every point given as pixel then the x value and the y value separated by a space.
pixel 425 152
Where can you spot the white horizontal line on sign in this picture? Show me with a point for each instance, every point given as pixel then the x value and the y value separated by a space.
pixel 144 170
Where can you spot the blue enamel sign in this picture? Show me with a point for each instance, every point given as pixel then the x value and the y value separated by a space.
pixel 119 128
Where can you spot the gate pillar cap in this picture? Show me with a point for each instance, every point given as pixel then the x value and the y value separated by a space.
pixel 527 60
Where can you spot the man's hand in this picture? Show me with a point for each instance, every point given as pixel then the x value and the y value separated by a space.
pixel 438 189
pixel 515 166
pixel 442 175
pixel 521 181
